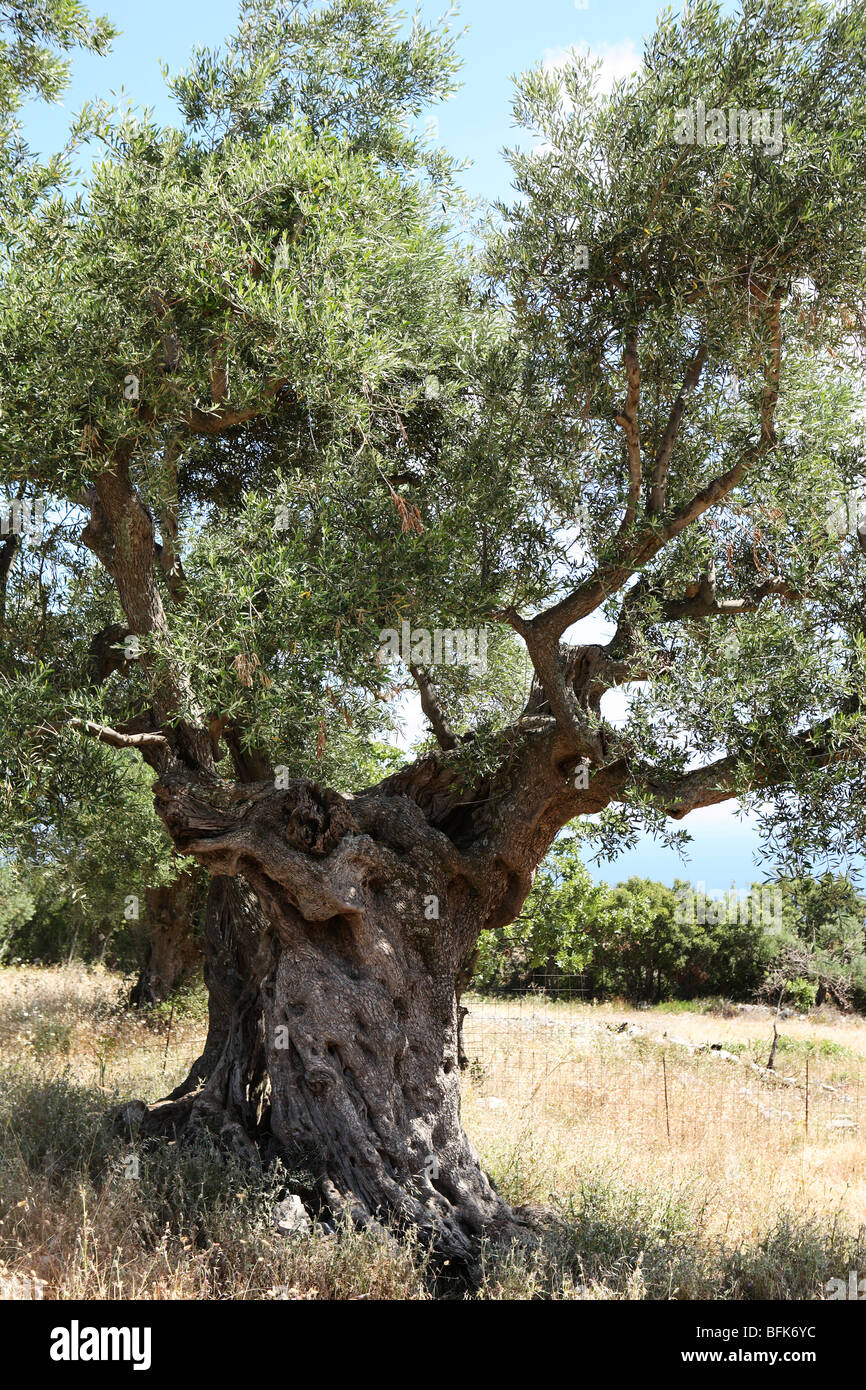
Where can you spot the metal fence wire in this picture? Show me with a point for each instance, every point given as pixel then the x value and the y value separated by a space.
pixel 549 1050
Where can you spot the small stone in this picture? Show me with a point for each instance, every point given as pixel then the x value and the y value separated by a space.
pixel 291 1217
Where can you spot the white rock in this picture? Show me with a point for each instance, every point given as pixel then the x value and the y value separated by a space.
pixel 291 1217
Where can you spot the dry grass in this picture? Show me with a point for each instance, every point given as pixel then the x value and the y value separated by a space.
pixel 555 1094
pixel 717 1191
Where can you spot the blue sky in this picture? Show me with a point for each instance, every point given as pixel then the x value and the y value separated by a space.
pixel 503 37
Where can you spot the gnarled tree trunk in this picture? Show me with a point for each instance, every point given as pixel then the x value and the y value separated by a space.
pixel 334 982
pixel 361 1025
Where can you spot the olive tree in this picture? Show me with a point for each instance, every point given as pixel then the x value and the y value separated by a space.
pixel 323 453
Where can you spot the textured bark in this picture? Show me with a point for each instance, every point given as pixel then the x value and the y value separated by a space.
pixel 226 1089
pixel 334 980
pixel 174 953
pixel 361 1027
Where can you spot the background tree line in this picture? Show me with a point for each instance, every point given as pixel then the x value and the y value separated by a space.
pixel 635 941
pixel 632 940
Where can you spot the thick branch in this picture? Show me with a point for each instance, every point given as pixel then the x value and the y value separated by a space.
pixel 168 553
pixel 7 555
pixel 121 534
pixel 554 667
pixel 718 781
pixel 104 656
pixel 115 739
pixel 445 735
pixel 155 748
pixel 706 605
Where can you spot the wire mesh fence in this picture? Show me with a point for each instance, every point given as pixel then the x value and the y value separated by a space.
pixel 548 1050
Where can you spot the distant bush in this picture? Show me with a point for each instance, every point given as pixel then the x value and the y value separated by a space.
pixel 630 941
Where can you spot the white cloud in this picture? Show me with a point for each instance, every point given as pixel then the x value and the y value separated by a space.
pixel 618 60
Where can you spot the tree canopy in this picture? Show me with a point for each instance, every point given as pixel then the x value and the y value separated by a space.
pixel 240 321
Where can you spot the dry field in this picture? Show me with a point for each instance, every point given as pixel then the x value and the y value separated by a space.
pixel 672 1171
pixel 557 1091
